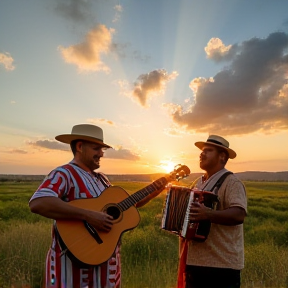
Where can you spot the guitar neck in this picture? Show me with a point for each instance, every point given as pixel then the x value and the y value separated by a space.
pixel 141 194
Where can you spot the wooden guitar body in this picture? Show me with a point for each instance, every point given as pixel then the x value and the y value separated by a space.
pixel 78 239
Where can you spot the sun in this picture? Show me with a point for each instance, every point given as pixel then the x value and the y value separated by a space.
pixel 167 165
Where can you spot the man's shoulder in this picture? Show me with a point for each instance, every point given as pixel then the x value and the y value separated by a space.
pixel 63 169
pixel 233 180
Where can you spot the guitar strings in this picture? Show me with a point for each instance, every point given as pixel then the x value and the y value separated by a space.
pixel 136 197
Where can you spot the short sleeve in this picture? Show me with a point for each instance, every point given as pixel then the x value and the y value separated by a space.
pixel 235 194
pixel 56 184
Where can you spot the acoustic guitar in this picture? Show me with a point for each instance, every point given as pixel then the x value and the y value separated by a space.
pixel 94 247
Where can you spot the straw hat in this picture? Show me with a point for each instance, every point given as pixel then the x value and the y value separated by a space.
pixel 86 132
pixel 219 142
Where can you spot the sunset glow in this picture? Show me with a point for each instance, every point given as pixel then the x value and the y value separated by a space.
pixel 154 86
pixel 167 165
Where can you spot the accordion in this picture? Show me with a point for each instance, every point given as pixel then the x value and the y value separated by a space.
pixel 176 211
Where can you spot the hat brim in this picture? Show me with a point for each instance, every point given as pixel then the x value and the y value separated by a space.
pixel 232 153
pixel 68 138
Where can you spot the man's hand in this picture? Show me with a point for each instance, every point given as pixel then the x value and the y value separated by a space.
pixel 99 220
pixel 229 217
pixel 55 208
pixel 198 212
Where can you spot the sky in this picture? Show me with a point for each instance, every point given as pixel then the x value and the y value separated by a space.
pixel 156 76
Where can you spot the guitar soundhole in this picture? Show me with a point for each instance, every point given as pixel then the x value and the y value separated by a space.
pixel 113 211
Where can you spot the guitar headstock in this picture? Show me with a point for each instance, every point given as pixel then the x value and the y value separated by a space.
pixel 179 172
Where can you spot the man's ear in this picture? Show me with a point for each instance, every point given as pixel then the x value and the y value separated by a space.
pixel 223 158
pixel 79 146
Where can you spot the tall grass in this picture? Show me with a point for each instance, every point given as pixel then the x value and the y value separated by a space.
pixel 149 254
pixel 266 235
pixel 266 265
pixel 22 253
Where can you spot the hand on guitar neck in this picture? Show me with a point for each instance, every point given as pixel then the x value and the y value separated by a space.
pixel 179 172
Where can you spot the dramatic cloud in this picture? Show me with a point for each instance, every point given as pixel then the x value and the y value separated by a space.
pixel 249 95
pixel 120 153
pixel 7 61
pixel 151 84
pixel 87 55
pixel 50 144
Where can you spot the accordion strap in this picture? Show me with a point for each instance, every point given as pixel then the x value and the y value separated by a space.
pixel 220 181
pixel 216 185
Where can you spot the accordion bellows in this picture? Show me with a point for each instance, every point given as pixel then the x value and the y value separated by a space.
pixel 176 210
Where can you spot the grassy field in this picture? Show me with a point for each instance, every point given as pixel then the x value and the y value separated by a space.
pixel 149 254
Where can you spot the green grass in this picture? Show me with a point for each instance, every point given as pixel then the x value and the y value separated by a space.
pixel 149 254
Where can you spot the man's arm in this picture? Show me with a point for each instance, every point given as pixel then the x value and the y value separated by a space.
pixel 55 208
pixel 232 216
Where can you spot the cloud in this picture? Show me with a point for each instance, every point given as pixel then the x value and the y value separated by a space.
pixel 249 95
pixel 7 61
pixel 217 51
pixel 176 131
pixel 87 55
pixel 125 50
pixel 151 84
pixel 285 23
pixel 137 55
pixel 120 153
pixel 18 151
pixel 50 144
pixel 100 121
pixel 118 8
pixel 76 10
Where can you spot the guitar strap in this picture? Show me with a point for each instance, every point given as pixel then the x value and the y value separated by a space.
pixel 104 180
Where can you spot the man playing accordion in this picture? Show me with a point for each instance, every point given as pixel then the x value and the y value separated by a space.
pixel 217 261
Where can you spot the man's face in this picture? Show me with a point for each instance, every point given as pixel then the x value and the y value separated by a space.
pixel 209 157
pixel 91 154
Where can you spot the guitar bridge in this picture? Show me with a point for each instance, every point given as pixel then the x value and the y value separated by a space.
pixel 93 232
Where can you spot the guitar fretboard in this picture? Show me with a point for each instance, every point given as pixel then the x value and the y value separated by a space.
pixel 141 194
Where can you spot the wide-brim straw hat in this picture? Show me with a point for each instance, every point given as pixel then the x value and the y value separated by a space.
pixel 219 142
pixel 88 132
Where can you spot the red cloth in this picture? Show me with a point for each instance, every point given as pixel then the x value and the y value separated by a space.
pixel 183 249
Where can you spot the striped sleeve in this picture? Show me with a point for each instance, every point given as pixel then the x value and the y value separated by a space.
pixel 56 184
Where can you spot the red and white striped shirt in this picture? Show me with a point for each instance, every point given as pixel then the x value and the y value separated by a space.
pixel 70 182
